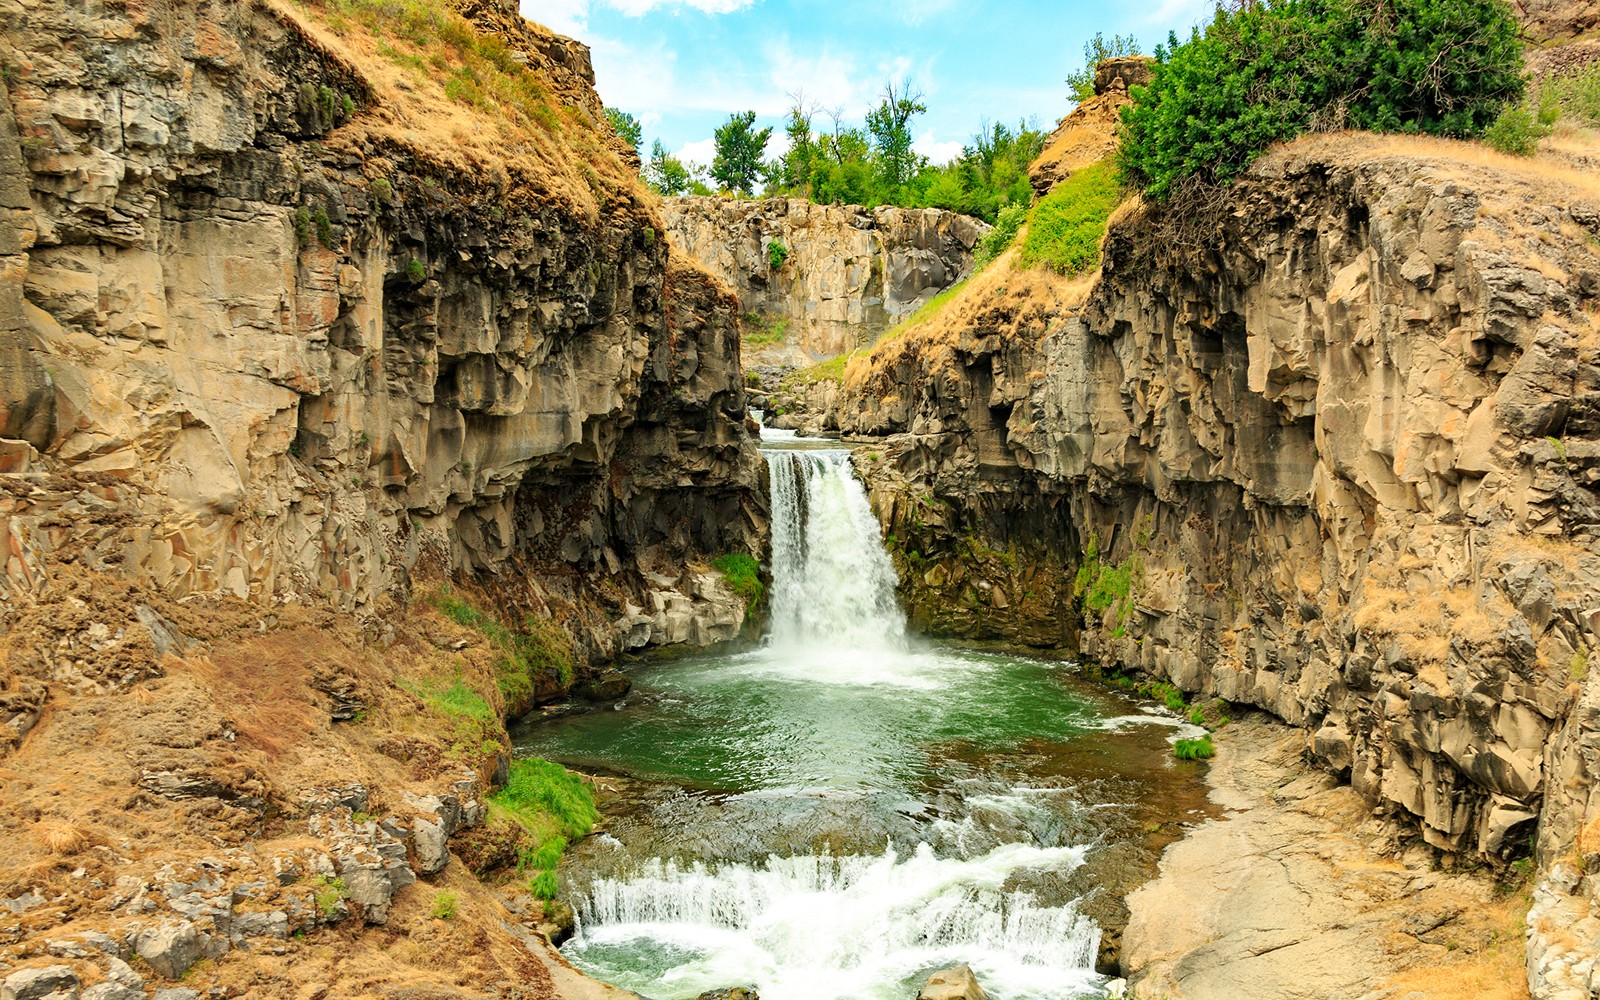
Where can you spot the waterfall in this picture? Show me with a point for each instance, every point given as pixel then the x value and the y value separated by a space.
pixel 832 584
pixel 825 927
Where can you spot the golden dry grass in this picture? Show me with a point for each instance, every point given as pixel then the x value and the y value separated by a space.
pixel 562 157
pixel 1552 179
pixel 1493 971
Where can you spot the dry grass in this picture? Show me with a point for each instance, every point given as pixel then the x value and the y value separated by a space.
pixel 59 837
pixel 1493 971
pixel 514 128
pixel 1551 179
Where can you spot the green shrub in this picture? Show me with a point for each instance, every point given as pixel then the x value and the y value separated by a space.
pixel 327 893
pixel 382 190
pixel 1517 131
pixel 1200 749
pixel 777 253
pixel 1576 94
pixel 1067 225
pixel 302 227
pixel 1269 71
pixel 417 271
pixel 324 227
pixel 994 243
pixel 743 576
pixel 445 905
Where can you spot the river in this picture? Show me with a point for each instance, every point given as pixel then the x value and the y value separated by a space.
pixel 846 808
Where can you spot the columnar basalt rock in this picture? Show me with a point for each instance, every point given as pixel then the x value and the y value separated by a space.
pixel 260 337
pixel 846 274
pixel 1341 441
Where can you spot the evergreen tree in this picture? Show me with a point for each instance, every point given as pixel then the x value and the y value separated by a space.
pixel 740 148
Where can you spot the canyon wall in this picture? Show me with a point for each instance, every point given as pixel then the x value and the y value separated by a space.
pixel 1330 448
pixel 846 273
pixel 282 321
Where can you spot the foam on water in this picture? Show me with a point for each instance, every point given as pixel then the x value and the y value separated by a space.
pixel 820 927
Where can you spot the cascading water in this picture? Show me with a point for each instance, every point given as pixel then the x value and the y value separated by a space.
pixel 825 736
pixel 832 584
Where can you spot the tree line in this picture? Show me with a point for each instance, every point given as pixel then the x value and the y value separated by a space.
pixel 832 161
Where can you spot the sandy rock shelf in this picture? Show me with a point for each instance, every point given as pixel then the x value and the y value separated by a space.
pixel 1297 892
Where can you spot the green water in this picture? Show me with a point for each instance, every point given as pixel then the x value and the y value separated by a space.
pixel 862 722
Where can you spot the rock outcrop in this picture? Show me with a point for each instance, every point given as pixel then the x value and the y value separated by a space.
pixel 1331 450
pixel 282 321
pixel 845 274
pixel 1088 133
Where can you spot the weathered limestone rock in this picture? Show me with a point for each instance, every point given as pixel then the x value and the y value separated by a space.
pixel 849 272
pixel 58 982
pixel 956 983
pixel 171 947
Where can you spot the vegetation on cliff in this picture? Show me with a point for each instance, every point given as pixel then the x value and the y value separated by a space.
pixel 1268 72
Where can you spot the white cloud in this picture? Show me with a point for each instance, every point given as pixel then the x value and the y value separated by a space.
pixel 565 17
pixel 637 8
pixel 937 151
pixel 700 152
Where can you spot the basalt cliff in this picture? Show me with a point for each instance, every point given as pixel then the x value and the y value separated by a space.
pixel 1328 447
pixel 350 405
pixel 819 280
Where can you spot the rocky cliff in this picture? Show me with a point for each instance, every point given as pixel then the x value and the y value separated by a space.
pixel 350 401
pixel 284 320
pixel 844 274
pixel 1330 448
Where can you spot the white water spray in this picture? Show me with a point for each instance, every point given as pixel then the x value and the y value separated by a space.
pixel 832 584
pixel 820 927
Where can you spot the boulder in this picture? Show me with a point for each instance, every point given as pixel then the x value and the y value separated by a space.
pixel 170 948
pixel 57 982
pixel 955 983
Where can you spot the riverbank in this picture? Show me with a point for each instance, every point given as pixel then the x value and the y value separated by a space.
pixel 1298 892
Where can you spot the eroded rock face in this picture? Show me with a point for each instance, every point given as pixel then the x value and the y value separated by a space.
pixel 848 273
pixel 1342 452
pixel 263 343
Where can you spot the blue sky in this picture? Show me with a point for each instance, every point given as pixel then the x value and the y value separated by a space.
pixel 682 66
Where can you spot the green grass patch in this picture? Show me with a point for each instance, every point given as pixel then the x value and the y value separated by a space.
pixel 928 311
pixel 743 576
pixel 445 906
pixel 1066 227
pixel 538 649
pixel 760 330
pixel 831 370
pixel 1199 749
pixel 997 240
pixel 474 726
pixel 553 807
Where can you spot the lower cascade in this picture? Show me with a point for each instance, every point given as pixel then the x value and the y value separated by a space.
pixel 864 823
